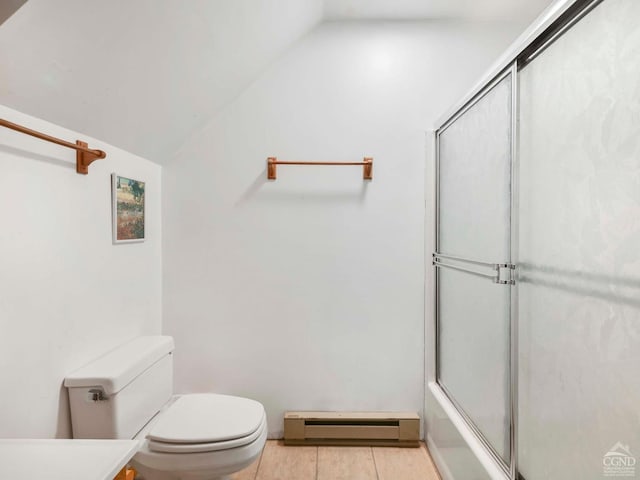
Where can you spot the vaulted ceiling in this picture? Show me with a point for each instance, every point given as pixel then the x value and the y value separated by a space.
pixel 491 10
pixel 144 75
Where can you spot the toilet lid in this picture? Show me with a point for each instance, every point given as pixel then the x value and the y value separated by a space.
pixel 208 447
pixel 207 418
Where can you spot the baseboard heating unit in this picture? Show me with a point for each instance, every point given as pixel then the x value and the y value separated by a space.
pixel 399 429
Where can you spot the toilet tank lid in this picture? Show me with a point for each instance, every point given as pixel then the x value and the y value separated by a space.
pixel 116 369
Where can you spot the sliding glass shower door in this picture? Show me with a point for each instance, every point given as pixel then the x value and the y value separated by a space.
pixel 579 268
pixel 569 344
pixel 473 263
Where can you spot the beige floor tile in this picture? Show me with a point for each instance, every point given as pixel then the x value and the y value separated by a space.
pixel 405 463
pixel 287 463
pixel 248 473
pixel 431 462
pixel 346 463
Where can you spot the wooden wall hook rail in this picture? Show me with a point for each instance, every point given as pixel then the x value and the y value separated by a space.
pixel 84 156
pixel 367 166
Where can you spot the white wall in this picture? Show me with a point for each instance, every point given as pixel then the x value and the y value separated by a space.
pixel 66 293
pixel 308 292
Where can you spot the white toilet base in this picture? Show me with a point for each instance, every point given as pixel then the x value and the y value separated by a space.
pixel 216 465
pixel 213 465
pixel 147 474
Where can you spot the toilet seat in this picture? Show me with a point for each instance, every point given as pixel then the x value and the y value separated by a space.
pixel 166 447
pixel 154 464
pixel 205 423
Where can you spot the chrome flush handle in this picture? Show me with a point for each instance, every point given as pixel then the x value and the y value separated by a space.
pixel 97 395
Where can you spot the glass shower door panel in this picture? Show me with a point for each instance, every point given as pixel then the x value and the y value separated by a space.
pixel 474 223
pixel 474 351
pixel 579 245
pixel 475 179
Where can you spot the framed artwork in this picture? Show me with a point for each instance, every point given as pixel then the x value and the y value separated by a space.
pixel 127 197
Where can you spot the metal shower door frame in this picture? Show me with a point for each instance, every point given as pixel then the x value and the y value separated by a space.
pixel 510 468
pixel 559 18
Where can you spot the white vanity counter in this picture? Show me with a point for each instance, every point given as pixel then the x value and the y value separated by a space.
pixel 26 459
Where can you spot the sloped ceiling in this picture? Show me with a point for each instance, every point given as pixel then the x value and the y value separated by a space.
pixel 145 75
pixel 483 10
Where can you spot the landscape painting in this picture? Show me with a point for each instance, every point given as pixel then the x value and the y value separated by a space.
pixel 128 209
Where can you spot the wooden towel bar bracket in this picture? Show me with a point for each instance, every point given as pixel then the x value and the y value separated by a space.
pixel 84 155
pixel 84 158
pixel 367 166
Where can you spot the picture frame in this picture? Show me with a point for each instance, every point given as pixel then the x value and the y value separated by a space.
pixel 127 209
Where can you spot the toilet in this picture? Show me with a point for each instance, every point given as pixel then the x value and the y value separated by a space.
pixel 128 393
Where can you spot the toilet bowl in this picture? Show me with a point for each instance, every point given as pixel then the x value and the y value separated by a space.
pixel 127 393
pixel 201 436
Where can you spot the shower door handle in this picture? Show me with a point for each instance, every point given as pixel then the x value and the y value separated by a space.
pixel 495 276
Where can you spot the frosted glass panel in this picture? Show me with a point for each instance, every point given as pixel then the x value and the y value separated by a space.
pixel 474 351
pixel 473 312
pixel 475 174
pixel 579 286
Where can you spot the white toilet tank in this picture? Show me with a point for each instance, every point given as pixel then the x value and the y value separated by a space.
pixel 115 395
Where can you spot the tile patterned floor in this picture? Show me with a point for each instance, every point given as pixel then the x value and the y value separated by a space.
pixel 279 462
